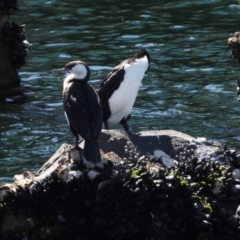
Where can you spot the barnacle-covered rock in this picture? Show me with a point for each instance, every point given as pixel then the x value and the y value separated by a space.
pixel 13 47
pixel 164 158
pixel 130 195
pixel 14 37
pixel 236 174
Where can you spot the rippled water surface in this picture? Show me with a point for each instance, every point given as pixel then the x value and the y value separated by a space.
pixel 190 86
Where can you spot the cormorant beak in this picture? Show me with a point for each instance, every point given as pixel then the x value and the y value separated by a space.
pixel 60 70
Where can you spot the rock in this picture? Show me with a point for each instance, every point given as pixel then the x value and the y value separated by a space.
pixel 113 157
pixel 165 171
pixel 164 158
pixel 60 156
pixel 13 48
pixel 236 174
pixel 92 174
pixel 236 189
pixel 218 187
pixel 164 145
pixel 175 144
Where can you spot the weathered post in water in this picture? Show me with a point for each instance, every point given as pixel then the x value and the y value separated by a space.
pixel 13 45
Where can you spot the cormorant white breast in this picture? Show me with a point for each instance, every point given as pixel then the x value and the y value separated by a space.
pixel 119 89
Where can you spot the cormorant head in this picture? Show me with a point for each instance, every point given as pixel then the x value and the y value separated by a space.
pixel 142 53
pixel 78 70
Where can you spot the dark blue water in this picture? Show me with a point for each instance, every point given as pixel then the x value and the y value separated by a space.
pixel 190 86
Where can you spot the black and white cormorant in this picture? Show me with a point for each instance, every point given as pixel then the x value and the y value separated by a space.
pixel 82 108
pixel 119 89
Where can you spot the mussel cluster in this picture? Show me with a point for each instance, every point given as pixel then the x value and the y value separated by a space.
pixel 135 199
pixel 14 37
pixel 8 6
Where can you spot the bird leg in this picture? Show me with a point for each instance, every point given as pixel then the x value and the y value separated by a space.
pixel 76 143
pixel 125 125
pixel 77 148
pixel 106 125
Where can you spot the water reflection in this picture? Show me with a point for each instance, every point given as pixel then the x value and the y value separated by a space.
pixel 190 86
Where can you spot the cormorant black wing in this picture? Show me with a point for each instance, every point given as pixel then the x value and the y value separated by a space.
pixel 111 83
pixel 95 111
pixel 83 110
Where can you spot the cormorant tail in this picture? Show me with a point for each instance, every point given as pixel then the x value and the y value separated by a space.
pixel 91 152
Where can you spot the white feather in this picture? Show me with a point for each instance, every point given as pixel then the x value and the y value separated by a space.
pixel 78 72
pixel 122 100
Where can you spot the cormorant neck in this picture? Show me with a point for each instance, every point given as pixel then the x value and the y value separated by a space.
pixel 73 78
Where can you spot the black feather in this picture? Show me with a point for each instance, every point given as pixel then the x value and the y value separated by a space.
pixel 84 113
